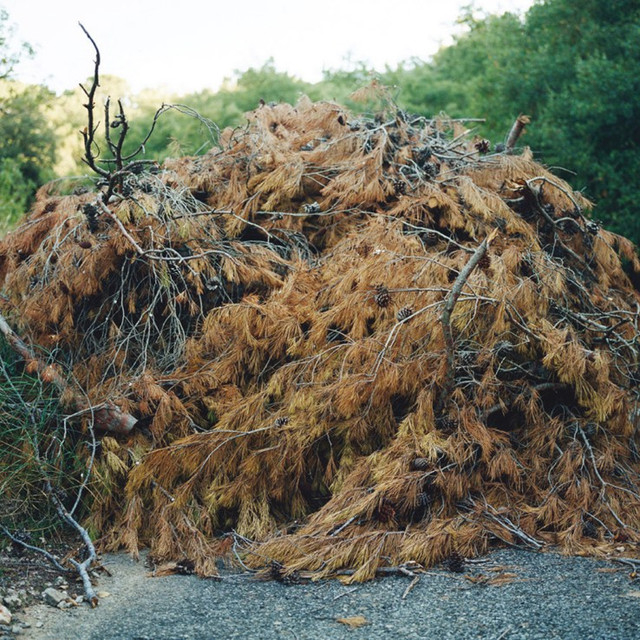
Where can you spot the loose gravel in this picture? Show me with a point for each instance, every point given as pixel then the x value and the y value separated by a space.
pixel 512 595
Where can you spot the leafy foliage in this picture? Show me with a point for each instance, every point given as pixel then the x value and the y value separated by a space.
pixel 15 193
pixel 575 68
pixel 27 141
pixel 33 446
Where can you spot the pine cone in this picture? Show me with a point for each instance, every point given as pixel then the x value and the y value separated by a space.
pixel 485 262
pixel 404 313
pixel 91 212
pixel 483 146
pixel 291 578
pixel 592 227
pixel 185 567
pixel 431 169
pixel 589 530
pixel 430 238
pixel 313 207
pixel 455 563
pixel 385 512
pixel 276 571
pixel 382 297
pixel 400 187
pixel 420 464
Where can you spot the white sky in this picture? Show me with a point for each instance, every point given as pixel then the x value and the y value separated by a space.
pixel 188 45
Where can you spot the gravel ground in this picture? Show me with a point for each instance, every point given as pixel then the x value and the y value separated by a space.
pixel 532 595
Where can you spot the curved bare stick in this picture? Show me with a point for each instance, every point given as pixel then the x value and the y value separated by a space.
pixel 108 416
pixel 445 318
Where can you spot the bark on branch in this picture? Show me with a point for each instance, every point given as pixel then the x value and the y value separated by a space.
pixel 89 132
pixel 516 131
pixel 445 318
pixel 107 417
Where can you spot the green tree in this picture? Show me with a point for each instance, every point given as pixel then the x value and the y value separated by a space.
pixel 10 51
pixel 187 129
pixel 574 66
pixel 27 142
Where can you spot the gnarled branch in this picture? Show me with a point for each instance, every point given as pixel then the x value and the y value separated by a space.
pixel 107 417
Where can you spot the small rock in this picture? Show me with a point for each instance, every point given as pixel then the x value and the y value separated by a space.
pixel 16 629
pixel 39 624
pixel 26 625
pixel 5 615
pixel 64 604
pixel 12 601
pixel 53 596
pixel 59 581
pixel 79 599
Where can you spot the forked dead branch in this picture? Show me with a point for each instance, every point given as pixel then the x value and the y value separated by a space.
pixel 350 343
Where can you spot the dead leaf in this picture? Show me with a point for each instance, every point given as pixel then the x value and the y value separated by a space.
pixel 479 579
pixel 494 581
pixel 182 567
pixel 632 594
pixel 103 594
pixel 353 621
pixel 501 579
pixel 500 568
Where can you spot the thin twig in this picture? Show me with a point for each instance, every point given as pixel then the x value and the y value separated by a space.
pixel 88 133
pixel 108 416
pixel 410 588
pixel 445 318
pixel 81 567
pixel 49 556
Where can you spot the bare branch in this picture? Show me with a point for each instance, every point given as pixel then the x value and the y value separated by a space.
pixel 516 131
pixel 449 305
pixel 88 133
pixel 108 417
pixel 81 567
pixel 25 545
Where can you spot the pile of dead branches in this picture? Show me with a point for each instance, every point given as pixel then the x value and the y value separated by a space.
pixel 338 342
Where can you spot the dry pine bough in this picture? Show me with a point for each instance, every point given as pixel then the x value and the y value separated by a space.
pixel 348 342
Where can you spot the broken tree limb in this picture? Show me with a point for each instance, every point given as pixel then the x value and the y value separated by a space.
pixel 107 417
pixel 81 567
pixel 516 131
pixel 449 305
pixel 25 545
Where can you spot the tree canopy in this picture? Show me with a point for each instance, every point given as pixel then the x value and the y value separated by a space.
pixel 572 65
pixel 27 140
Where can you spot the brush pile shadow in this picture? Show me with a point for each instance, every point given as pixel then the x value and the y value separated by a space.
pixel 349 343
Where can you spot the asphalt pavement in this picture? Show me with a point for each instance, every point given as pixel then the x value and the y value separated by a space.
pixel 510 595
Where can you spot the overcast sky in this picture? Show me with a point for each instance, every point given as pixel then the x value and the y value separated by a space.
pixel 188 45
